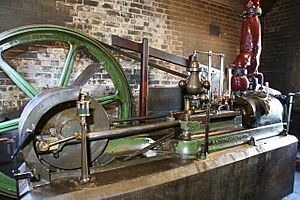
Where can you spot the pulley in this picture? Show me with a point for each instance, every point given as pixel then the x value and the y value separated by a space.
pixel 51 122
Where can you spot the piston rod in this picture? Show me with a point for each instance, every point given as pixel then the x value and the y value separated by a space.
pixel 139 118
pixel 134 130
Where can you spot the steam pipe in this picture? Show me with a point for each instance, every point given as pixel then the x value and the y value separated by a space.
pixel 113 120
pixel 207 127
pixel 250 47
pixel 143 98
pixel 212 53
pixel 261 78
pixel 209 69
pixel 229 71
pixel 83 111
pixel 221 75
pixel 290 106
pixel 134 130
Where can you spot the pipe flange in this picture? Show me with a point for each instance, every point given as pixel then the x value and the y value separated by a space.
pixel 252 11
pixel 193 69
pixel 239 71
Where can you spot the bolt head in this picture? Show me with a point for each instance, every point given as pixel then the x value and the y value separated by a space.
pixel 206 84
pixel 182 84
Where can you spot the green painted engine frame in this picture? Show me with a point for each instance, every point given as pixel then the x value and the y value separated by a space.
pixel 75 40
pixel 7 186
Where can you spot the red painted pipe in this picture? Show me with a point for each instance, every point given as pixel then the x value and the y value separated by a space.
pixel 250 46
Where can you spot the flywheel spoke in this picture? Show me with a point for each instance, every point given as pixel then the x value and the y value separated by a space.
pixel 9 125
pixel 107 99
pixel 18 79
pixel 68 66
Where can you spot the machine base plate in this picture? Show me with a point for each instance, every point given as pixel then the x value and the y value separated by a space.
pixel 264 171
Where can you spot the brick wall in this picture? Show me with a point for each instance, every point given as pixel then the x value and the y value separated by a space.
pixel 176 26
pixel 14 13
pixel 281 46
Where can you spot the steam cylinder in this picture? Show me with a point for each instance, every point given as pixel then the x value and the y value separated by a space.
pixel 259 111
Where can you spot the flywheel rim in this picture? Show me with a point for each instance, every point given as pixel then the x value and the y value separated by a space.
pixel 75 40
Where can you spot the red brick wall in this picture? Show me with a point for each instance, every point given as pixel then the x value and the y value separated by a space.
pixel 177 26
pixel 181 25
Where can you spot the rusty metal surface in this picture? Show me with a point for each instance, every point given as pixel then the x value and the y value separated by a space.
pixel 265 171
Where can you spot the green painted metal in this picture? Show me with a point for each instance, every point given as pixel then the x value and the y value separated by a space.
pixel 3 130
pixel 188 149
pixel 195 127
pixel 107 99
pixel 7 186
pixel 192 127
pixel 68 66
pixel 9 125
pixel 37 33
pixel 126 145
pixel 17 78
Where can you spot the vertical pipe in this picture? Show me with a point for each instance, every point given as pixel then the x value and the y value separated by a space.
pixel 229 72
pixel 144 79
pixel 209 66
pixel 221 78
pixel 207 123
pixel 16 171
pixel 204 152
pixel 290 107
pixel 84 152
pixel 83 111
pixel 209 70
pixel 207 119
